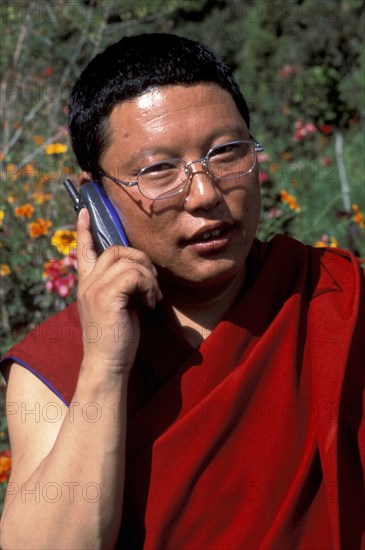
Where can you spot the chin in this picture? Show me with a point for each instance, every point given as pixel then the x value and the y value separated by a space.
pixel 218 277
pixel 203 276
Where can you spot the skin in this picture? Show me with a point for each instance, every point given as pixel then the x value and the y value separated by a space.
pixel 154 122
pixel 197 286
pixel 178 121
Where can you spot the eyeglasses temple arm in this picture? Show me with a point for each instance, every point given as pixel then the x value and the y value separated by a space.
pixel 258 146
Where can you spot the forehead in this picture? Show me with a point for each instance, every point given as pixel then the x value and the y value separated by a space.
pixel 172 110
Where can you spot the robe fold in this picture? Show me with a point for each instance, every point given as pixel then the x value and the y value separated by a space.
pixel 255 440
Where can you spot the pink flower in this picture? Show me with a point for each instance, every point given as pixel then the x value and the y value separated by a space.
pixel 263 157
pixel 302 129
pixel 71 259
pixel 310 128
pixel 61 274
pixel 274 212
pixel 62 285
pixel 287 70
pixel 263 177
pixel 326 161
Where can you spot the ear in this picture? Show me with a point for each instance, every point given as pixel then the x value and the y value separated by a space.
pixel 85 177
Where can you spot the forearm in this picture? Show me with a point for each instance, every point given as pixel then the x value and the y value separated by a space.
pixel 79 484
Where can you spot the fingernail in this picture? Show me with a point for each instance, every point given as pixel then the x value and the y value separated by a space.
pixel 154 270
pixel 151 299
pixel 82 214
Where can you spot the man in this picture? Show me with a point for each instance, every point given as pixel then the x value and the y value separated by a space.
pixel 208 393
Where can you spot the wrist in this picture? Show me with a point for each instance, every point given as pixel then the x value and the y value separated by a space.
pixel 102 378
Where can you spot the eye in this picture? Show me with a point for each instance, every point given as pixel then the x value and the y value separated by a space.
pixel 159 168
pixel 230 151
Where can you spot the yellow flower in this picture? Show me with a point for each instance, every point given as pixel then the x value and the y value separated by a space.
pixel 39 227
pixel 64 240
pixel 10 167
pixel 24 211
pixel 2 214
pixel 329 242
pixel 4 270
pixel 55 148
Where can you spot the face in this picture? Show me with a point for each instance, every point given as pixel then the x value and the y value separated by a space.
pixel 183 122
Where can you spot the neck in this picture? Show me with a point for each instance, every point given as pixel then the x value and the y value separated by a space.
pixel 199 310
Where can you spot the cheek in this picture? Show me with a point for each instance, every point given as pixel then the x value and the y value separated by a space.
pixel 140 231
pixel 135 215
pixel 245 205
pixel 148 233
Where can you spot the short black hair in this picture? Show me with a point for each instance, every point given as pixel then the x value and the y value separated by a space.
pixel 128 68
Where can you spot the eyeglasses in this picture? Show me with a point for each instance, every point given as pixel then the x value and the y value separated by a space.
pixel 169 177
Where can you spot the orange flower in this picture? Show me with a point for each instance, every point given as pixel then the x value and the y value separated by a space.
pixel 286 155
pixel 5 466
pixel 44 178
pixel 289 200
pixel 38 228
pixel 41 198
pixel 68 170
pixel 29 170
pixel 24 211
pixel 4 270
pixel 358 216
pixel 38 140
pixel 55 148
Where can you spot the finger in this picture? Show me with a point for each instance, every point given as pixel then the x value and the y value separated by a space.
pixel 121 281
pixel 86 255
pixel 140 282
pixel 127 256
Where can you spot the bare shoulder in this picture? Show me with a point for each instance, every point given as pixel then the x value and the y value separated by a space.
pixel 35 416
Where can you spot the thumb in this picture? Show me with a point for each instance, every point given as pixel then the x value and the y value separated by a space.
pixel 86 255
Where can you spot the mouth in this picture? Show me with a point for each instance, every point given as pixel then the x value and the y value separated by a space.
pixel 213 239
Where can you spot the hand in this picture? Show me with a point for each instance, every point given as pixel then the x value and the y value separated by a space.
pixel 106 285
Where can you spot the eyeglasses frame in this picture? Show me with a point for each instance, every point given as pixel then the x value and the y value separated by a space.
pixel 203 161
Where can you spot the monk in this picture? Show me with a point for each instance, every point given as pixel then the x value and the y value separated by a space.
pixel 205 391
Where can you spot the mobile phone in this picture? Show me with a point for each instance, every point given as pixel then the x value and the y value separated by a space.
pixel 106 226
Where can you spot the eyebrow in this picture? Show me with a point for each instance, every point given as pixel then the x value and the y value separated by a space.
pixel 151 151
pixel 146 152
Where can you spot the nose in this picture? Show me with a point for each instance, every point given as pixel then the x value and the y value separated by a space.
pixel 202 191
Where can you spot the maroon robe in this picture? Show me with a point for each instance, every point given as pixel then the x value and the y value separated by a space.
pixel 256 440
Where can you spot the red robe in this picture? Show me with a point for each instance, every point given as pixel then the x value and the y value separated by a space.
pixel 256 440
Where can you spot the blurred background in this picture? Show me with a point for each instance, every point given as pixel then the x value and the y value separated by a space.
pixel 300 65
